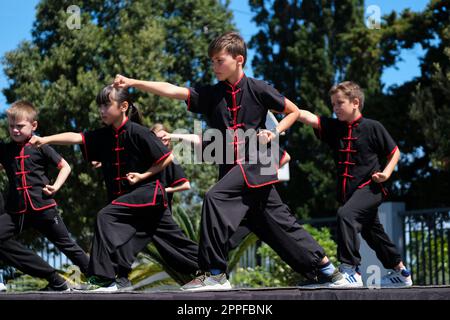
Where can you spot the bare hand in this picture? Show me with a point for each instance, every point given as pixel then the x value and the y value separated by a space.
pixel 134 177
pixel 121 82
pixel 49 190
pixel 37 142
pixel 164 136
pixel 379 177
pixel 96 164
pixel 265 136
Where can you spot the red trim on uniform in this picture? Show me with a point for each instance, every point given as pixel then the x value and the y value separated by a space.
pixel 148 204
pixel 123 123
pixel 179 181
pixel 392 152
pixel 41 208
pixel 235 84
pixel 24 181
pixel 353 122
pixel 83 139
pixel 347 163
pixel 319 127
pixel 162 158
pixel 234 112
pixel 385 193
pixel 365 184
pixel 236 126
pixel 255 185
pixel 26 195
pixel 282 157
pixel 60 164
pixel 348 151
pixel 188 100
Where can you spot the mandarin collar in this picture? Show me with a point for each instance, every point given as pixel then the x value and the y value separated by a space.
pixel 238 84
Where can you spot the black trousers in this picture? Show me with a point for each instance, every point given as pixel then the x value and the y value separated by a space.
pixel 176 249
pixel 229 201
pixel 360 215
pixel 121 232
pixel 49 223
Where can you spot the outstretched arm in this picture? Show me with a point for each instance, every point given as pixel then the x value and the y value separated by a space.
pixel 292 113
pixel 163 89
pixel 309 118
pixel 66 138
pixel 188 137
pixel 390 166
pixel 180 187
pixel 64 171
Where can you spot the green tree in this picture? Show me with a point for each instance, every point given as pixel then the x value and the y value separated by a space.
pixel 422 107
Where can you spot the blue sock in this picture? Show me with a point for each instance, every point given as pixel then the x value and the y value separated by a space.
pixel 215 272
pixel 405 272
pixel 327 269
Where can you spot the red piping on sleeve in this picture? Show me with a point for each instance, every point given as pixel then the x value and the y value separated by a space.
pixel 84 146
pixel 163 157
pixel 182 180
pixel 319 127
pixel 60 164
pixel 188 101
pixel 392 152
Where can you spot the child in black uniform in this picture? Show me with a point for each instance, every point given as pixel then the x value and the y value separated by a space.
pixel 360 146
pixel 132 158
pixel 245 189
pixel 173 245
pixel 30 200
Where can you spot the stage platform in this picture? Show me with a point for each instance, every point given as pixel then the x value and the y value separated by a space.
pixel 288 293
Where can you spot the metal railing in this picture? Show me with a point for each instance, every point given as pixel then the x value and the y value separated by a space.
pixel 426 245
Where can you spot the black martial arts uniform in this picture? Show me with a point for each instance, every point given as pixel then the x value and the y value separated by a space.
pixel 134 209
pixel 27 206
pixel 359 149
pixel 245 189
pixel 178 251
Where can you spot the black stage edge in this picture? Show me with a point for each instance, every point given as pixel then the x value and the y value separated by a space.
pixel 262 304
pixel 286 293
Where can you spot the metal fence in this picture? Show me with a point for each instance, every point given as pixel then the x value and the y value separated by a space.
pixel 426 245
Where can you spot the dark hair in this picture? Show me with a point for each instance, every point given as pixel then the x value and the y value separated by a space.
pixel 233 44
pixel 110 93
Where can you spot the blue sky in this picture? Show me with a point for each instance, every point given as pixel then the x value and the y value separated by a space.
pixel 16 19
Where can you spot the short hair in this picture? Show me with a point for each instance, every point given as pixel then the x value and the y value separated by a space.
pixel 351 90
pixel 233 44
pixel 22 109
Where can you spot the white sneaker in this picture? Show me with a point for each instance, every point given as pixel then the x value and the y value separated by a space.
pixel 111 288
pixel 397 279
pixel 207 282
pixel 351 278
pixel 2 287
